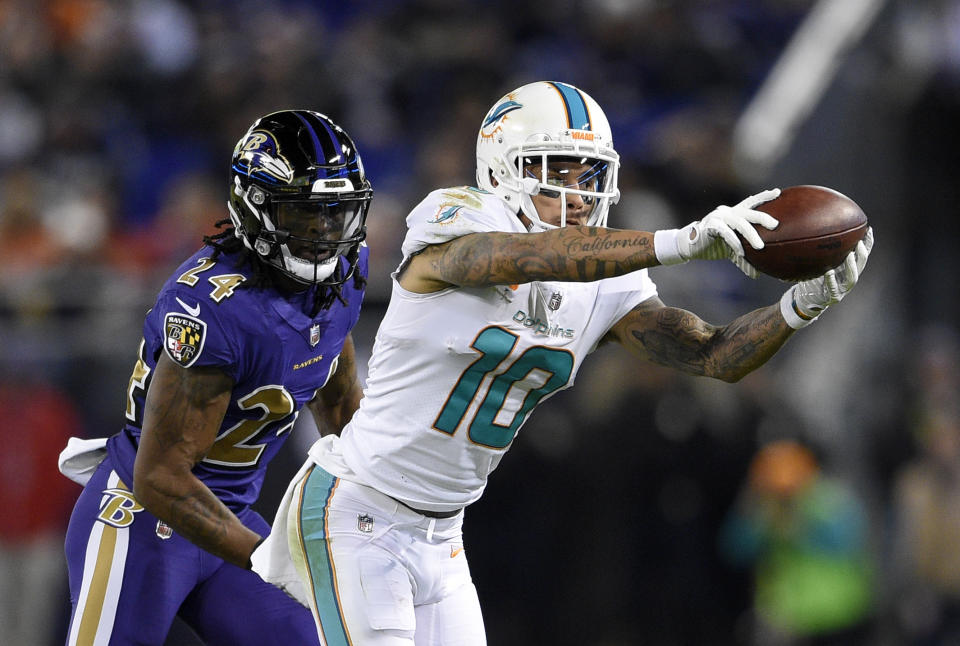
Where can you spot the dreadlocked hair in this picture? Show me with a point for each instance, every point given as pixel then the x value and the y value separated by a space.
pixel 324 297
pixel 227 242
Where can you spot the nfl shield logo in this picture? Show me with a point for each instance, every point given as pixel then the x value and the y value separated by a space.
pixel 164 531
pixel 365 523
pixel 314 334
pixel 555 300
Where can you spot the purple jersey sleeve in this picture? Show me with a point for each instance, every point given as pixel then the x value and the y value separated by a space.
pixel 193 335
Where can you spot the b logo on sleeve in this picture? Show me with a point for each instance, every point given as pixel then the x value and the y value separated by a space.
pixel 184 337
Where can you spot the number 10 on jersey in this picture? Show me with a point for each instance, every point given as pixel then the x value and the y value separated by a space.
pixel 496 344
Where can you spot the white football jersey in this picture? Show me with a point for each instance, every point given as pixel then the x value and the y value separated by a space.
pixel 455 374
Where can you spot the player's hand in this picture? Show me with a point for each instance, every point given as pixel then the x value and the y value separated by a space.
pixel 715 236
pixel 805 301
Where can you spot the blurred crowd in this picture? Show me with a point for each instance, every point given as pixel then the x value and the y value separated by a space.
pixel 645 512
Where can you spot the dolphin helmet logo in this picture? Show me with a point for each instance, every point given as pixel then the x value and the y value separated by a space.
pixel 491 124
pixel 499 111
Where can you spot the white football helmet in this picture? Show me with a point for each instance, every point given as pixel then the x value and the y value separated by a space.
pixel 539 123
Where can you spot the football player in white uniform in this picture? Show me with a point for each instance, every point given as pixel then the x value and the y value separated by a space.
pixel 503 291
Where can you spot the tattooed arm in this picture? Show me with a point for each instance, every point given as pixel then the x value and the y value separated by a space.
pixel 336 402
pixel 183 413
pixel 573 253
pixel 678 339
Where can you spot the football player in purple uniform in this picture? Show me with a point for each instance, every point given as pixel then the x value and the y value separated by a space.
pixel 243 334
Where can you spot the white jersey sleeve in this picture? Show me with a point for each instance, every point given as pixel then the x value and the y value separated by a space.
pixel 621 294
pixel 450 213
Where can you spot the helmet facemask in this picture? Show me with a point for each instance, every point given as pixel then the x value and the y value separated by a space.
pixel 559 176
pixel 304 234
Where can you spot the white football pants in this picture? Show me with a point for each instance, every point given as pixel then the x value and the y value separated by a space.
pixel 377 572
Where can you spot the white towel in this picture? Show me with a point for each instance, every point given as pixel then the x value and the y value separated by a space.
pixel 276 559
pixel 81 458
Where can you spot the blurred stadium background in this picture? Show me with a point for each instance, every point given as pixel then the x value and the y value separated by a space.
pixel 613 520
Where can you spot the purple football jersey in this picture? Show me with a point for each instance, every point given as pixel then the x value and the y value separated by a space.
pixel 207 314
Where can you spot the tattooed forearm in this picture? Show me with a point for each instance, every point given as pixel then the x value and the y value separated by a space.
pixel 575 253
pixel 749 342
pixel 679 339
pixel 200 517
pixel 592 242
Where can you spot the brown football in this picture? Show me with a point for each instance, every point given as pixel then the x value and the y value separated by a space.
pixel 818 228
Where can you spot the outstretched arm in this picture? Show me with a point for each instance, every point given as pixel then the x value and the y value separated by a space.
pixel 575 254
pixel 338 400
pixel 183 413
pixel 679 339
pixel 584 254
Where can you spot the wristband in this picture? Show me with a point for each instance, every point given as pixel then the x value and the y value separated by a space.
pixel 250 558
pixel 791 314
pixel 665 247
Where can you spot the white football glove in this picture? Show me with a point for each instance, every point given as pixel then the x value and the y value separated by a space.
pixel 715 236
pixel 805 301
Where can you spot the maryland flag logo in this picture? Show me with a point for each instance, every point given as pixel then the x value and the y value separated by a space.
pixel 184 337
